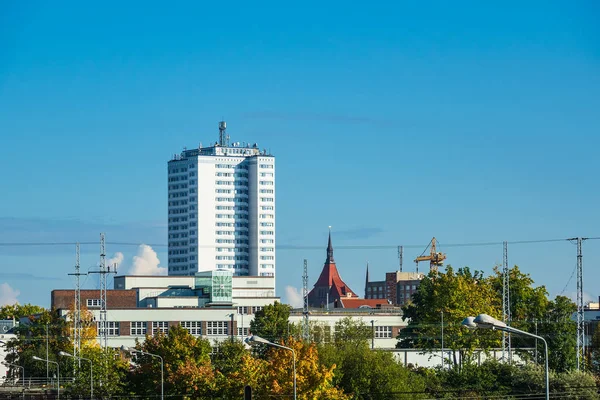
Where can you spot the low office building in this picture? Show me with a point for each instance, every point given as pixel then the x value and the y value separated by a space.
pixel 386 323
pixel 212 304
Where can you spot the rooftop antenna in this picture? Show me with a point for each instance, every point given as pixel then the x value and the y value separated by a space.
pixel 305 325
pixel 223 136
pixel 401 256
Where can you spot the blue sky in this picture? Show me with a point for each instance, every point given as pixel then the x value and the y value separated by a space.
pixel 390 122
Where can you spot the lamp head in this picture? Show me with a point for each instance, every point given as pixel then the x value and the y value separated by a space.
pixel 36 358
pixel 252 340
pixel 64 354
pixel 487 322
pixel 469 323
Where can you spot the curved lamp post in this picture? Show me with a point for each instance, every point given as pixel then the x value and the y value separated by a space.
pixel 253 340
pixel 65 354
pixel 484 321
pixel 162 380
pixel 36 358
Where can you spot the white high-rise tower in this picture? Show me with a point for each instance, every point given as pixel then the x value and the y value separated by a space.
pixel 222 209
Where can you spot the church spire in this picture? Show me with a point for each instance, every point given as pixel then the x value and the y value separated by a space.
pixel 329 250
pixel 367 280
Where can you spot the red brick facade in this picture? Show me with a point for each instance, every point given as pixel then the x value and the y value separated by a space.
pixel 64 299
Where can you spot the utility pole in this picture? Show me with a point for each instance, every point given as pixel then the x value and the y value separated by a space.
pixel 506 316
pixel 580 310
pixel 442 312
pixel 47 362
pixel 104 270
pixel 373 334
pixel 305 325
pixel 77 329
pixel 401 256
pixel 536 343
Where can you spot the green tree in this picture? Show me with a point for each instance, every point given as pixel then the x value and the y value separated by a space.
pixel 528 304
pixel 352 332
pixel 594 355
pixel 41 334
pixel 272 322
pixel 18 311
pixel 559 330
pixel 183 355
pixel 458 294
pixel 109 373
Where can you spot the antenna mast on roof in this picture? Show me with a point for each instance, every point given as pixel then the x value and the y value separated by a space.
pixel 223 136
pixel 305 325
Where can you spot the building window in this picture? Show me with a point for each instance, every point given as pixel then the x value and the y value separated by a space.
pixel 214 328
pixel 243 331
pixel 112 328
pixel 93 302
pixel 243 310
pixel 160 326
pixel 138 328
pixel 193 327
pixel 383 332
pixel 256 309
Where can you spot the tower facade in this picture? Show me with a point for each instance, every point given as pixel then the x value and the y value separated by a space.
pixel 222 209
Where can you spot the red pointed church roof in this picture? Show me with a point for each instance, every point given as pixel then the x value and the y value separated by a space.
pixel 330 277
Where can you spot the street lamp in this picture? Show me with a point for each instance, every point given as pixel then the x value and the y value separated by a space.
pixel 252 340
pixel 162 380
pixel 372 334
pixel 65 354
pixel 36 358
pixel 484 321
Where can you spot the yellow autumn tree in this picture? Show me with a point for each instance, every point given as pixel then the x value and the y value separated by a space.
pixel 88 327
pixel 314 381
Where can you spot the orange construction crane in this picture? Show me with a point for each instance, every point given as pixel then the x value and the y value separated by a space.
pixel 435 259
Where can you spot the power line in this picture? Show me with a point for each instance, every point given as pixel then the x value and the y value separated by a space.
pixel 300 247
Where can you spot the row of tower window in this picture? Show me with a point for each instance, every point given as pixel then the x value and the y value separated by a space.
pixel 175 187
pixel 233 224
pixel 236 216
pixel 238 166
pixel 232 208
pixel 232 199
pixel 230 174
pixel 232 241
pixel 178 203
pixel 232 258
pixel 234 191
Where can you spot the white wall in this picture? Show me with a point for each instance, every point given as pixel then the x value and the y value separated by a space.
pixel 206 219
pixel 3 368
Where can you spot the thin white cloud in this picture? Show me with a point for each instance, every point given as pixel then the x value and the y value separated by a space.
pixel 293 297
pixel 587 298
pixel 117 259
pixel 146 262
pixel 8 295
